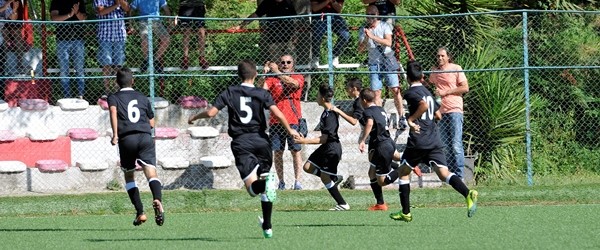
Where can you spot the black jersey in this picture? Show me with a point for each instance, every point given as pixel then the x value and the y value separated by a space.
pixel 385 7
pixel 133 111
pixel 329 125
pixel 357 111
pixel 428 137
pixel 379 132
pixel 246 107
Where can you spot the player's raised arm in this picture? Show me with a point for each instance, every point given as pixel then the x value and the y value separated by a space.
pixel 209 113
pixel 277 113
pixel 346 117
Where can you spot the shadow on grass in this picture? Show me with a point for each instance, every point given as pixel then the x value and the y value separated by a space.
pixel 156 239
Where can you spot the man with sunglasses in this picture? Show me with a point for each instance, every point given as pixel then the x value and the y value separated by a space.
pixel 376 36
pixel 286 89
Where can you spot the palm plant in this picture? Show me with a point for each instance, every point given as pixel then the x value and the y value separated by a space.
pixel 495 114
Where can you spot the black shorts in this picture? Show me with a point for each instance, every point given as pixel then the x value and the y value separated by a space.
pixel 382 155
pixel 195 12
pixel 250 150
pixel 413 156
pixel 327 157
pixel 134 147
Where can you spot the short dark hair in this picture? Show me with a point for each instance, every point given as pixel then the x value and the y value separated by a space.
pixel 355 83
pixel 326 92
pixel 124 77
pixel 367 95
pixel 246 69
pixel 414 71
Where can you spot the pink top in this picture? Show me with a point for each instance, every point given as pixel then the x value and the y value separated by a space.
pixel 449 80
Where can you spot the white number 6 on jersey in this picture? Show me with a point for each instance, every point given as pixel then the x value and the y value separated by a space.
pixel 133 113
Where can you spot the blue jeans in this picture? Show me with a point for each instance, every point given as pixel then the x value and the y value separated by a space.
pixel 451 130
pixel 338 27
pixel 67 51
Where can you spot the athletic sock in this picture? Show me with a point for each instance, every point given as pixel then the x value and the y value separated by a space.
pixel 267 210
pixel 317 172
pixel 391 177
pixel 404 192
pixel 377 191
pixel 155 188
pixel 258 186
pixel 335 193
pixel 458 185
pixel 134 196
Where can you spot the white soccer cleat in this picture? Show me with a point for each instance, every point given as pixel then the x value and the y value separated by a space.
pixel 342 207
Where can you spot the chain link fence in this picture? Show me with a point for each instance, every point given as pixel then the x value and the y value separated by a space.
pixel 532 106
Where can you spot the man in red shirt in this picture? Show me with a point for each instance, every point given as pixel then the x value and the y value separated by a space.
pixel 286 89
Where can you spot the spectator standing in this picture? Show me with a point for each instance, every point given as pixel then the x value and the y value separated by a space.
pixel 246 106
pixel 193 9
pixel 131 121
pixel 450 86
pixel 5 11
pixel 319 28
pixel 152 8
pixel 385 8
pixel 69 42
pixel 376 36
pixel 278 34
pixel 286 90
pixel 111 38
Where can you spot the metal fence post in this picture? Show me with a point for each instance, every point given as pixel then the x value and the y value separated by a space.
pixel 527 101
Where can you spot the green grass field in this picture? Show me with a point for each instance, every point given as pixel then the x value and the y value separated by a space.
pixel 540 217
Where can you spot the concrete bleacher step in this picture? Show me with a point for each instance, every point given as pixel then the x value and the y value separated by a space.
pixel 92 166
pixel 203 132
pixel 3 105
pixel 215 162
pixel 43 134
pixel 33 104
pixel 73 104
pixel 51 165
pixel 174 163
pixel 102 103
pixel 7 136
pixel 192 102
pixel 13 177
pixel 166 133
pixel 82 134
pixel 159 102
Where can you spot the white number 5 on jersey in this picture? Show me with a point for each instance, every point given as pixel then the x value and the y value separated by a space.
pixel 244 107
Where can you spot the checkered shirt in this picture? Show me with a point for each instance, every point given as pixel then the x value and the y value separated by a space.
pixel 111 31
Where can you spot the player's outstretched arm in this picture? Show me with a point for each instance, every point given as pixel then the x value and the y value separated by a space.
pixel 365 134
pixel 277 113
pixel 346 117
pixel 211 112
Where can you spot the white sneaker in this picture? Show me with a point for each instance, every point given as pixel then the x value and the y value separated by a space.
pixel 314 63
pixel 338 207
pixel 266 233
pixel 336 61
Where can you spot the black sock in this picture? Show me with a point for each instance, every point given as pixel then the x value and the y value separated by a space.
pixel 258 186
pixel 377 191
pixel 404 190
pixel 267 209
pixel 459 185
pixel 134 196
pixel 335 193
pixel 391 177
pixel 156 189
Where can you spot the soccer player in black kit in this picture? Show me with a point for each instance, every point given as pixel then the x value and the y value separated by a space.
pixel 251 146
pixel 424 145
pixel 324 161
pixel 132 120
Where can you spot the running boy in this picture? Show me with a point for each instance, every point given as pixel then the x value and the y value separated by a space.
pixel 324 161
pixel 132 120
pixel 246 106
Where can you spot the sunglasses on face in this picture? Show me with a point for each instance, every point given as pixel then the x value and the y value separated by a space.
pixel 286 62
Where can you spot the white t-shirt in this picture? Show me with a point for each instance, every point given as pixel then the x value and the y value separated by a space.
pixel 377 51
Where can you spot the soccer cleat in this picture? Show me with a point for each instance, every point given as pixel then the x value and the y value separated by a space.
pixel 336 61
pixel 268 233
pixel 379 207
pixel 339 207
pixel 270 187
pixel 139 220
pixel 402 124
pixel 471 203
pixel 281 185
pixel 159 212
pixel 297 185
pixel 401 216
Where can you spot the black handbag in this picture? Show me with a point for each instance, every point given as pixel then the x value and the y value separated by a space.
pixel 302 125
